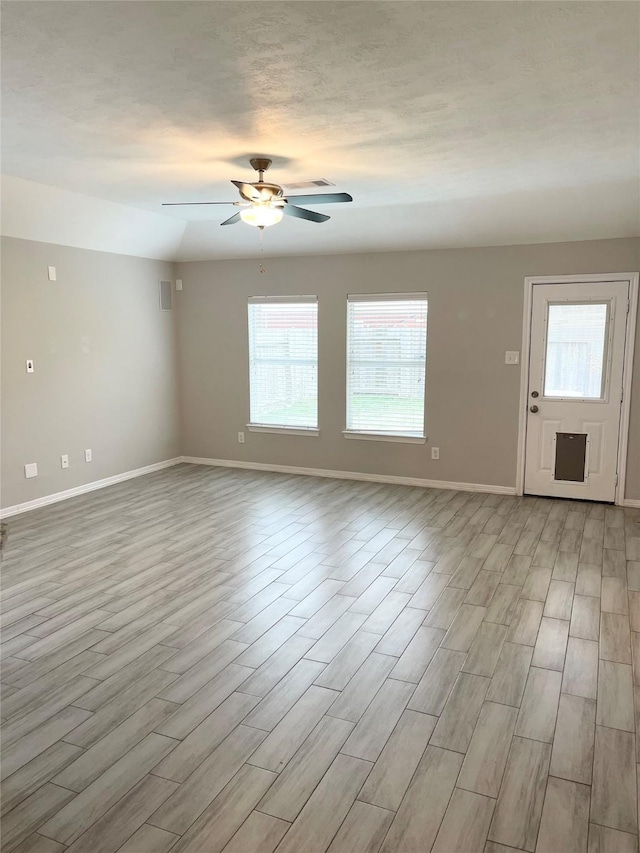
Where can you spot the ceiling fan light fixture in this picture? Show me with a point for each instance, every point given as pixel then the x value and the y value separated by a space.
pixel 261 215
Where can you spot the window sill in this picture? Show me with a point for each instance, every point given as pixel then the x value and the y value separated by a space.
pixel 382 436
pixel 283 430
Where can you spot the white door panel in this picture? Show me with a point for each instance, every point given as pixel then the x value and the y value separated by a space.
pixel 575 389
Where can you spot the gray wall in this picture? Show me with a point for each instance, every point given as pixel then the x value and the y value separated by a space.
pixel 475 314
pixel 105 367
pixel 111 376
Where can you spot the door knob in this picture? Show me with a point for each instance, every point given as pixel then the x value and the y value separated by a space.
pixel 533 409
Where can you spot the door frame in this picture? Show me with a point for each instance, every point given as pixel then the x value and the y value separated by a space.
pixel 627 370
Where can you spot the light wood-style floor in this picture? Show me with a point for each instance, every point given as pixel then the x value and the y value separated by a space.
pixel 209 660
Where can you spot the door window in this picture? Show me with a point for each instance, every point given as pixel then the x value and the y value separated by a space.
pixel 576 349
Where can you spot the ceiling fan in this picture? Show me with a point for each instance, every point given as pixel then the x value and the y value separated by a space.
pixel 265 204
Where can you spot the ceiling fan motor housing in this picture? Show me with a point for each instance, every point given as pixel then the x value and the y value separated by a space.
pixel 268 192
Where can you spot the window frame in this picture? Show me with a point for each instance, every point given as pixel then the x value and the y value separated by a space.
pixel 283 429
pixel 381 435
pixel 606 354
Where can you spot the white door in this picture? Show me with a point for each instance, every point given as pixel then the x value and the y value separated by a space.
pixel 575 389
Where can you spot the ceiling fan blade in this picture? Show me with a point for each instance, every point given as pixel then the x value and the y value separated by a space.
pixel 301 213
pixel 183 203
pixel 232 219
pixel 320 198
pixel 247 191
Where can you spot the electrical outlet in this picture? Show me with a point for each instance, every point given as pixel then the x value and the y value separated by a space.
pixel 240 438
pixel 30 367
pixel 64 460
pixel 435 453
pixel 31 470
pixel 512 357
pixel 87 456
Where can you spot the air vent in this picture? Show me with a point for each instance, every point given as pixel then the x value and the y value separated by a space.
pixel 165 296
pixel 306 185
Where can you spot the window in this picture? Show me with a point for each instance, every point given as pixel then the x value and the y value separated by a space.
pixel 386 361
pixel 283 362
pixel 576 349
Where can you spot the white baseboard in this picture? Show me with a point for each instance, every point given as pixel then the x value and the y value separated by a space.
pixel 351 475
pixel 264 466
pixel 87 487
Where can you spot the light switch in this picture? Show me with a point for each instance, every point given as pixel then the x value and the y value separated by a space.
pixel 52 273
pixel 512 357
pixel 178 284
pixel 31 470
pixel 64 461
pixel 30 367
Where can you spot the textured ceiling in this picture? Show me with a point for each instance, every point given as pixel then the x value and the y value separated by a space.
pixel 451 123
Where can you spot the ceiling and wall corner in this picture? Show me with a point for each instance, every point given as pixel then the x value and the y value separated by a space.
pixel 33 211
pixel 452 124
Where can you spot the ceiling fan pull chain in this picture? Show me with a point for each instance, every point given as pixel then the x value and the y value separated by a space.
pixel 261 268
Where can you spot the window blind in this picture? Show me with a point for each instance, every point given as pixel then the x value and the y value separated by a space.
pixel 386 360
pixel 283 361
